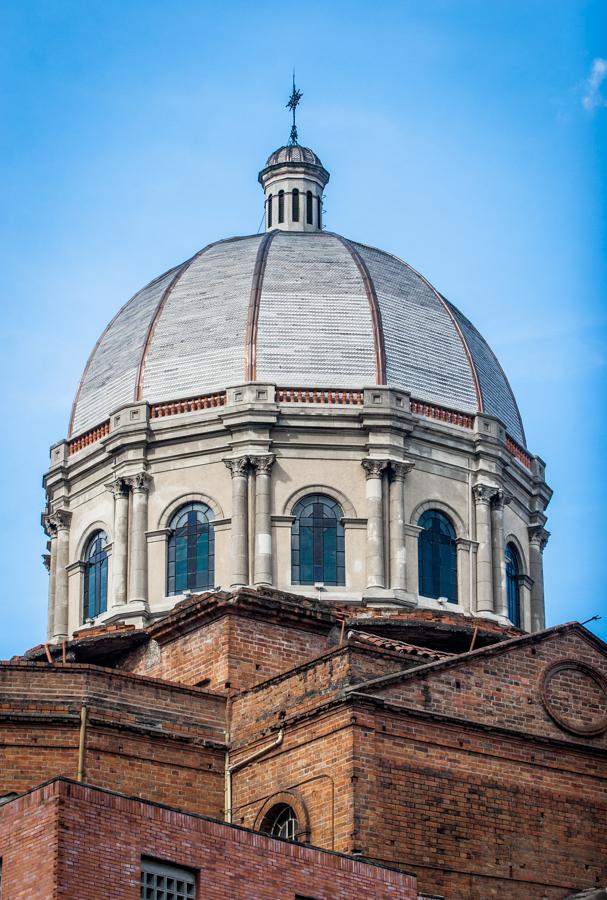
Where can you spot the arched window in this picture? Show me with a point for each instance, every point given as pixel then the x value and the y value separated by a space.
pixel 513 571
pixel 269 210
pixel 295 205
pixel 309 208
pixel 437 556
pixel 281 206
pixel 281 821
pixel 319 212
pixel 95 576
pixel 317 541
pixel 191 563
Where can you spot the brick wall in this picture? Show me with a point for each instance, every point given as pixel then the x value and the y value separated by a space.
pixel 96 841
pixel 149 738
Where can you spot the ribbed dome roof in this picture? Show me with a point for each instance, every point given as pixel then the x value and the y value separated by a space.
pixel 293 153
pixel 298 310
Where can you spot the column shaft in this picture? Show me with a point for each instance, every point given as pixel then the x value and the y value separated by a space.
pixel 61 520
pixel 500 600
pixel 240 538
pixel 120 544
pixel 484 573
pixel 262 573
pixel 398 552
pixel 52 578
pixel 375 522
pixel 538 538
pixel 138 588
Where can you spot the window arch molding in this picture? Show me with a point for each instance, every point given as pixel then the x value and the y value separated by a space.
pixel 164 520
pixel 286 798
pixel 456 520
pixel 522 560
pixel 294 498
pixel 86 536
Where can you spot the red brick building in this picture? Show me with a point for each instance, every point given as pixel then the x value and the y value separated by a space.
pixel 481 772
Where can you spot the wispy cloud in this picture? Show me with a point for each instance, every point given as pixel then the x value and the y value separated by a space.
pixel 593 97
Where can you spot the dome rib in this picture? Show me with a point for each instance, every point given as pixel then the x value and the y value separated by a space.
pixel 99 341
pixel 446 307
pixel 250 348
pixel 378 331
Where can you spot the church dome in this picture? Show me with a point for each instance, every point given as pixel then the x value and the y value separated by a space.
pixel 293 153
pixel 299 310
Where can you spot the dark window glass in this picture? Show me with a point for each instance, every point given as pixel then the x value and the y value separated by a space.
pixel 269 210
pixel 295 205
pixel 191 563
pixel 319 212
pixel 281 822
pixel 281 206
pixel 95 576
pixel 513 571
pixel 309 219
pixel 437 556
pixel 163 881
pixel 317 542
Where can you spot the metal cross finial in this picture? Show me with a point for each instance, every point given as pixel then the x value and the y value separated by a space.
pixel 294 99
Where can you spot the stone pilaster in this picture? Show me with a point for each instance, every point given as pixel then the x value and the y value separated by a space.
pixel 262 571
pixel 239 467
pixel 398 553
pixel 50 561
pixel 538 538
pixel 374 469
pixel 500 601
pixel 140 485
pixel 483 494
pixel 120 490
pixel 57 525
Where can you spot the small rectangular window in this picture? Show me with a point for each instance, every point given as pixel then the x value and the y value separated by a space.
pixel 163 881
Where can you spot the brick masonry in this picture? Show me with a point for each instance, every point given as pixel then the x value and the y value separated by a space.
pixel 87 844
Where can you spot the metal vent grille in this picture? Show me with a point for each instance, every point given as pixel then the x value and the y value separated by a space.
pixel 160 881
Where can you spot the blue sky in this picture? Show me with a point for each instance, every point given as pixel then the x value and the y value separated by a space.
pixel 469 138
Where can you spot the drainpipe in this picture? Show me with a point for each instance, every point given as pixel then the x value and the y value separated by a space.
pixel 82 743
pixel 234 767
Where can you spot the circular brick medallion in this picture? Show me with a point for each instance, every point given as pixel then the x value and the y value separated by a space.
pixel 575 696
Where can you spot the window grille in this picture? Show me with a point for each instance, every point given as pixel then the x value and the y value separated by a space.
pixel 161 881
pixel 281 206
pixel 95 576
pixel 309 209
pixel 437 556
pixel 317 542
pixel 281 822
pixel 191 558
pixel 512 585
pixel 295 205
pixel 269 210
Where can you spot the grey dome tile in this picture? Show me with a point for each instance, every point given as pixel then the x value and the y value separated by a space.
pixel 314 320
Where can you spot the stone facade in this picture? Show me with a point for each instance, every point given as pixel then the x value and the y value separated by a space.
pixel 252 459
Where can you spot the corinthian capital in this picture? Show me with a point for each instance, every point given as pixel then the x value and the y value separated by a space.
pixel 374 467
pixel 262 464
pixel 400 470
pixel 539 536
pixel 56 521
pixel 119 487
pixel 483 493
pixel 501 498
pixel 141 482
pixel 238 465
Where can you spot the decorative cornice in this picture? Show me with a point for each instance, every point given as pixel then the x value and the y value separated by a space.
pixel 262 464
pixel 46 561
pixel 374 467
pixel 238 466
